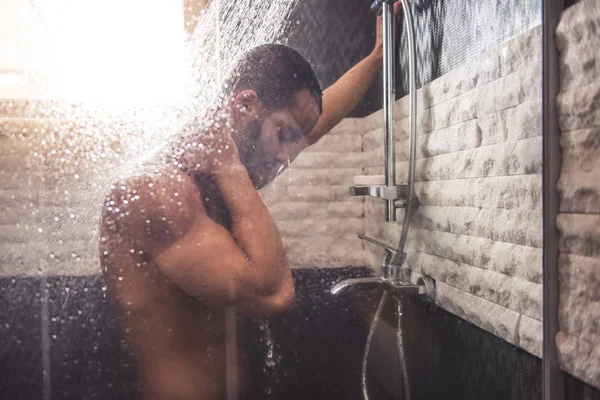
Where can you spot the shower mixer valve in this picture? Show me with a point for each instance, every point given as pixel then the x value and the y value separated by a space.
pixel 393 279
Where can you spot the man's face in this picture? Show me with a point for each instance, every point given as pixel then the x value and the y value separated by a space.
pixel 271 142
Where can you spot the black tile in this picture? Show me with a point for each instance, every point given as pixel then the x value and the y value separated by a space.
pixel 454 359
pixel 89 358
pixel 20 339
pixel 578 390
pixel 317 346
pixel 318 350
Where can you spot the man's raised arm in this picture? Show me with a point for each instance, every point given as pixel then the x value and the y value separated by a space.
pixel 340 98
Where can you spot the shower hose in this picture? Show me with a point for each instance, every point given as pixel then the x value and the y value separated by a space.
pixel 399 339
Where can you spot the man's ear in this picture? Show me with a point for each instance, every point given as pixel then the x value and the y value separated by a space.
pixel 247 105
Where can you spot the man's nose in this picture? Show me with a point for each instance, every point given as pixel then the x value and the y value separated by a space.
pixel 283 156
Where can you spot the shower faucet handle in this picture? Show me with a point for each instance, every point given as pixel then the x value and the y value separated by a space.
pixel 377 243
pixel 392 260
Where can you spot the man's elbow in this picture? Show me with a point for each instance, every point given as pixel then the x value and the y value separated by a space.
pixel 284 299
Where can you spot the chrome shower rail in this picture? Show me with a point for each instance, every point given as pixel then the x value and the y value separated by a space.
pixel 396 196
pixel 412 70
pixel 389 98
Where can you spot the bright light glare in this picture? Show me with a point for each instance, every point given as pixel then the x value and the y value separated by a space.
pixel 113 52
pixel 10 78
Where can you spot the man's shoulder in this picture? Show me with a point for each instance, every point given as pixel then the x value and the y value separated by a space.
pixel 160 199
pixel 162 187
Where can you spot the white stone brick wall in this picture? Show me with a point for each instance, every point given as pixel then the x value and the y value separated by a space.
pixel 317 219
pixel 478 230
pixel 49 215
pixel 578 40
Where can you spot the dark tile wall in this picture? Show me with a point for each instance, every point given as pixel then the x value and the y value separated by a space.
pixel 90 359
pixel 317 348
pixel 20 339
pixel 333 36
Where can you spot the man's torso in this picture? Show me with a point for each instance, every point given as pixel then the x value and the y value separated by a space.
pixel 180 342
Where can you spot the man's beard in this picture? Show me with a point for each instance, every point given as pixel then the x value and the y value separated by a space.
pixel 250 153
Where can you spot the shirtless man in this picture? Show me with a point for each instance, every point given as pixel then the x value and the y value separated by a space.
pixel 190 241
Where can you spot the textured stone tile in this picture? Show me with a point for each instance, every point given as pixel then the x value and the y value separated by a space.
pixel 579 357
pixel 59 252
pixel 329 176
pixel 456 138
pixel 431 265
pixel 524 49
pixel 325 251
pixel 73 268
pixel 579 183
pixel 515 294
pixel 18 233
pixel 503 192
pixel 323 227
pixel 387 232
pixel 527 121
pixel 579 64
pixel 579 23
pixel 579 108
pixel 579 316
pixel 16 145
pixel 579 234
pixel 20 259
pixel 19 197
pixel 512 158
pixel 445 114
pixel 373 121
pixel 373 139
pixel 493 318
pixel 27 127
pixel 514 260
pixel 349 126
pixel 320 160
pixel 577 274
pixel 320 193
pixel 374 210
pixel 579 306
pixel 313 210
pixel 509 91
pixel 531 335
pixel 15 162
pixel 340 143
pixel 511 226
pixel 402 105
pixel 274 192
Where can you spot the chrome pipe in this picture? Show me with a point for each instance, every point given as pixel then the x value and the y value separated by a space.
pixel 389 98
pixel 412 70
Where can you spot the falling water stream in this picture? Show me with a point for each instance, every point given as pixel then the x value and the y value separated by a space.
pixel 77 147
pixel 85 145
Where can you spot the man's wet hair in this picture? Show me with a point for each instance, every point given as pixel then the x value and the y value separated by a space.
pixel 276 72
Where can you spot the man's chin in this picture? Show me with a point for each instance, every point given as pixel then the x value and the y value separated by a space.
pixel 260 180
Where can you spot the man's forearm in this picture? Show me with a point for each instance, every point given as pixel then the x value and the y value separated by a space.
pixel 253 228
pixel 345 94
